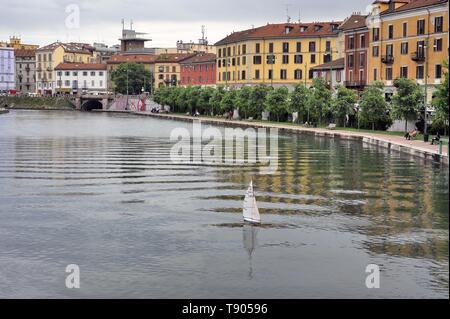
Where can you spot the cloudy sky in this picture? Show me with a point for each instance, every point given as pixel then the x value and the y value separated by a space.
pixel 46 21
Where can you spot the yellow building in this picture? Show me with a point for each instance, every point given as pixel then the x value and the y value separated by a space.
pixel 277 54
pixel 16 44
pixel 168 69
pixel 408 39
pixel 50 56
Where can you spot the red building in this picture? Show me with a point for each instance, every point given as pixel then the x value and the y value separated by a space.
pixel 199 70
pixel 356 35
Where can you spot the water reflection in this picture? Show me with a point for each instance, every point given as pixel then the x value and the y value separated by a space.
pixel 250 240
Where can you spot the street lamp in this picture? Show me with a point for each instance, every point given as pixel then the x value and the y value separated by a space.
pixel 424 48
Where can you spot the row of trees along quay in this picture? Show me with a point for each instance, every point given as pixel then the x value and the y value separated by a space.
pixel 318 104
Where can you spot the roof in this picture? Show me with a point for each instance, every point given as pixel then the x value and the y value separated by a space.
pixel 25 53
pixel 355 21
pixel 336 64
pixel 201 58
pixel 298 30
pixel 173 57
pixel 71 47
pixel 136 58
pixel 81 66
pixel 414 4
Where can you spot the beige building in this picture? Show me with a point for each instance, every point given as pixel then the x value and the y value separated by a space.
pixel 168 70
pixel 48 57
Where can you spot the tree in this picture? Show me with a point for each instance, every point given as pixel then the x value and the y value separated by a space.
pixel 193 97
pixel 228 102
pixel 441 99
pixel 257 100
pixel 181 100
pixel 243 100
pixel 204 100
pixel 406 100
pixel 299 99
pixel 277 102
pixel 131 77
pixel 343 104
pixel 374 109
pixel 216 100
pixel 319 99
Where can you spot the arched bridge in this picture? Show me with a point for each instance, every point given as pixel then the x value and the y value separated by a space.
pixel 89 102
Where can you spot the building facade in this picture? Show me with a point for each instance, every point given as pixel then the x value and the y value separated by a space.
pixel 16 44
pixel 48 57
pixel 356 45
pixel 81 78
pixel 7 70
pixel 332 72
pixel 408 39
pixel 147 60
pixel 168 69
pixel 25 71
pixel 199 70
pixel 276 54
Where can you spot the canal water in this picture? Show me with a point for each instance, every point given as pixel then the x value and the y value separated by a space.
pixel 100 191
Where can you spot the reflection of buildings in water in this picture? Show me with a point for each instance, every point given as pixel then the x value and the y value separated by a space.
pixel 250 233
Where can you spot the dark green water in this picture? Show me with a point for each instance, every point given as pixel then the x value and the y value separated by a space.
pixel 100 191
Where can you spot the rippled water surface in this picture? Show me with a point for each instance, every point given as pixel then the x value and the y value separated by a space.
pixel 100 191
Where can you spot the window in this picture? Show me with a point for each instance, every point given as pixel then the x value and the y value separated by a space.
pixel 376 51
pixel 101 83
pixel 389 74
pixel 283 74
pixel 404 48
pixel 243 75
pixel 285 47
pixel 233 62
pixel 404 72
pixel 75 73
pixel 299 47
pixel 244 60
pixel 311 74
pixel 59 73
pixel 298 59
pixel 405 29
pixel 313 58
pixel 376 34
pixel 220 54
pixel 312 46
pixel 338 76
pixel 419 72
pixel 298 74
pixel 100 73
pixel 375 74
pixel 67 83
pixel 270 75
pixel 350 60
pixel 420 27
pixel 390 31
pixel 92 83
pixel 257 75
pixel 257 48
pixel 228 51
pixel 362 60
pixel 92 73
pixel 257 59
pixel 328 46
pixel 437 45
pixel 244 49
pixel 270 47
pixel 438 24
pixel 390 50
pixel 285 59
pixel 438 71
pixel 362 40
pixel 85 73
pixel 351 42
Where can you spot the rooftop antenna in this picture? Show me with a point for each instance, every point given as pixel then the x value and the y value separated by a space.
pixel 123 24
pixel 131 24
pixel 287 12
pixel 299 16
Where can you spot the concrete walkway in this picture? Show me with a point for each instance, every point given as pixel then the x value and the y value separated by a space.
pixel 391 142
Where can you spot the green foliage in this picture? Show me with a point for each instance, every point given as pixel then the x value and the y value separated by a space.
pixel 216 100
pixel 277 103
pixel 131 77
pixel 440 101
pixel 406 100
pixel 257 100
pixel 228 102
pixel 299 100
pixel 343 104
pixel 204 104
pixel 374 109
pixel 243 101
pixel 319 100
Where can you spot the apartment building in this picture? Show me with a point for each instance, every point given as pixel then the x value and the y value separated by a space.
pixel 168 69
pixel 75 78
pixel 25 71
pixel 7 70
pixel 199 70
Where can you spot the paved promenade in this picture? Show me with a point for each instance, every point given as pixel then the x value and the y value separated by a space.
pixel 392 142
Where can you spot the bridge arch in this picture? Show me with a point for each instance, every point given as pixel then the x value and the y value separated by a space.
pixel 90 105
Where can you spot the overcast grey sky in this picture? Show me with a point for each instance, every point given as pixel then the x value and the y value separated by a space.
pixel 166 21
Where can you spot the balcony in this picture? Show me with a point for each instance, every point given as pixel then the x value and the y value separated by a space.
pixel 418 56
pixel 354 84
pixel 387 59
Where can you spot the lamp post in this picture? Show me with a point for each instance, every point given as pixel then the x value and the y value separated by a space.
pixel 126 106
pixel 424 48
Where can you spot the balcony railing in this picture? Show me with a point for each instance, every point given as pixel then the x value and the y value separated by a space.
pixel 355 83
pixel 387 59
pixel 418 56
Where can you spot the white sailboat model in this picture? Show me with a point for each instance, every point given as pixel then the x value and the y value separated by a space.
pixel 251 211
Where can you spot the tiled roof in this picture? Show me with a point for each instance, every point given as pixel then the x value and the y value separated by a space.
pixel 336 64
pixel 298 30
pixel 414 4
pixel 173 57
pixel 355 21
pixel 25 53
pixel 201 58
pixel 81 66
pixel 71 47
pixel 136 58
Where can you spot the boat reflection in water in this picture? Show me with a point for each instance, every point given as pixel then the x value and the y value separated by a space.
pixel 250 240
